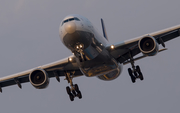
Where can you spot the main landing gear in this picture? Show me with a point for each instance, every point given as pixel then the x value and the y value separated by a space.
pixel 73 91
pixel 135 72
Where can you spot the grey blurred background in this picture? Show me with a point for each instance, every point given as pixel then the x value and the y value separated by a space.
pixel 29 38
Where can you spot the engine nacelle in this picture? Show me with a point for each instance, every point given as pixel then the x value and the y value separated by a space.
pixel 39 78
pixel 148 46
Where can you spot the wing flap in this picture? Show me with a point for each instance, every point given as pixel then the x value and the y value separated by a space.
pixel 10 82
pixel 168 36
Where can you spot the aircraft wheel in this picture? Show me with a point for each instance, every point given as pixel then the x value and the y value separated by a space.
pixel 71 97
pixel 76 88
pixel 133 79
pixel 141 76
pixel 140 73
pixel 138 69
pixel 79 94
pixel 130 72
pixel 68 90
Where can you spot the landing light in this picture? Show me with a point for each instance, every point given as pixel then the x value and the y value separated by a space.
pixel 70 59
pixel 112 46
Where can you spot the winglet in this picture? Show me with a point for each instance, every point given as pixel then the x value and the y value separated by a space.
pixel 104 29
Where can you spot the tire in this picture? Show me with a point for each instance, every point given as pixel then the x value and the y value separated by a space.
pixel 76 88
pixel 79 95
pixel 133 79
pixel 141 76
pixel 71 97
pixel 68 90
pixel 130 72
pixel 138 69
pixel 139 72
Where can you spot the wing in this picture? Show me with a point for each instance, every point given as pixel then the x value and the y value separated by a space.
pixel 121 50
pixel 53 69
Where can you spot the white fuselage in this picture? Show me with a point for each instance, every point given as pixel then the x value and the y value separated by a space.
pixel 89 47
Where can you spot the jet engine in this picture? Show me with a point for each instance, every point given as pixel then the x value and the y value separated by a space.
pixel 39 78
pixel 148 46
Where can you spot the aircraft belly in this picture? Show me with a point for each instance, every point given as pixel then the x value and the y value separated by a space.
pixel 91 56
pixel 101 65
pixel 112 74
pixel 91 52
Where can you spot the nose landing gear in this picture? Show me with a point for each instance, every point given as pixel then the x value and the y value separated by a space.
pixel 79 50
pixel 73 91
pixel 135 72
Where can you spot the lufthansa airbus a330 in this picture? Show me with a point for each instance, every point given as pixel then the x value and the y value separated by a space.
pixel 93 56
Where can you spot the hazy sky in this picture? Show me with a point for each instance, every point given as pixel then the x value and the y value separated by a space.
pixel 29 38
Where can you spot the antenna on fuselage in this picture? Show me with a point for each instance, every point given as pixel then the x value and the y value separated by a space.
pixel 104 29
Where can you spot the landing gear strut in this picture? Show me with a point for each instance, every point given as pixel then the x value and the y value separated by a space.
pixel 73 91
pixel 135 72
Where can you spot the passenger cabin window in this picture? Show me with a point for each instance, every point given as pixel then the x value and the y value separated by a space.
pixel 70 19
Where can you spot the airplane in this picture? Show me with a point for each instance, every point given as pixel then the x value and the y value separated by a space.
pixel 92 56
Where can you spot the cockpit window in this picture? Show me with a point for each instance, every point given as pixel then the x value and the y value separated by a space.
pixel 65 21
pixel 75 18
pixel 71 19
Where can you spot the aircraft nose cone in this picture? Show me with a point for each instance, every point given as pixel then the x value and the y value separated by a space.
pixel 70 27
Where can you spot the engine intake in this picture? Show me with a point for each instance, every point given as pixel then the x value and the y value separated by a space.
pixel 148 46
pixel 39 78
